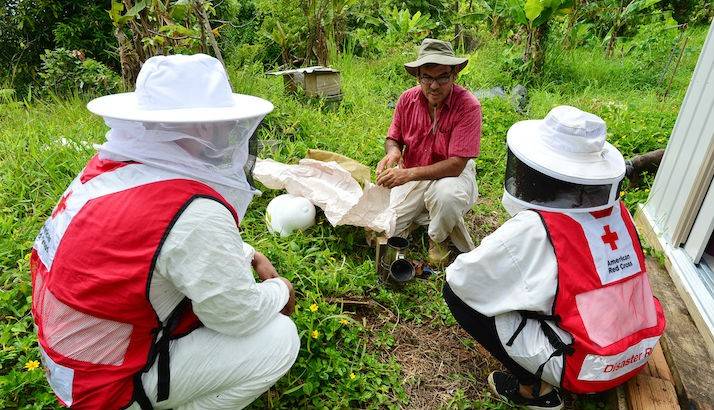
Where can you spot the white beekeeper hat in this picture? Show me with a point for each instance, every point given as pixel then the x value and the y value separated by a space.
pixel 185 118
pixel 563 162
pixel 181 89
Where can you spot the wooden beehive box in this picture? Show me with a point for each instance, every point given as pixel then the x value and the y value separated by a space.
pixel 316 81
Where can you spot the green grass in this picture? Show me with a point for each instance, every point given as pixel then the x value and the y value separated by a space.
pixel 347 364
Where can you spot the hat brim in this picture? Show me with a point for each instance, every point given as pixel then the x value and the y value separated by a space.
pixel 525 141
pixel 124 106
pixel 413 66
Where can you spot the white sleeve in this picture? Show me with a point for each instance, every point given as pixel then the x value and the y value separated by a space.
pixel 206 260
pixel 248 251
pixel 514 268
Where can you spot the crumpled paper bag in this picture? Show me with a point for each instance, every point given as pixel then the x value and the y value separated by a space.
pixel 359 171
pixel 332 188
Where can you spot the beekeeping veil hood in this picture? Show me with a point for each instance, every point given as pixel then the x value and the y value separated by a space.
pixel 562 163
pixel 184 117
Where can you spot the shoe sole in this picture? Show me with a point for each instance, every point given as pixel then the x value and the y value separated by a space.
pixel 492 387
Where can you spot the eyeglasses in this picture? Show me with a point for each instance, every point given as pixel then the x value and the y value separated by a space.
pixel 426 80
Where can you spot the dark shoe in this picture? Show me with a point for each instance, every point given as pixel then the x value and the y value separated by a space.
pixel 505 386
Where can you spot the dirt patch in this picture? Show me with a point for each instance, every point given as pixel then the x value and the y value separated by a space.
pixel 437 361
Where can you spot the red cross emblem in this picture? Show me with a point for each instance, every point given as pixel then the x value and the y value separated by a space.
pixel 610 238
pixel 62 204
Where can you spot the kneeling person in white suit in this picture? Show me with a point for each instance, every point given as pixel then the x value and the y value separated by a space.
pixel 143 290
pixel 559 293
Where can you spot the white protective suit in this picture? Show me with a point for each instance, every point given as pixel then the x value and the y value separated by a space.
pixel 184 117
pixel 246 345
pixel 562 164
pixel 514 269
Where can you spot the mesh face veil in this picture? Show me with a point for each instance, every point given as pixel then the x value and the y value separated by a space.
pixel 184 117
pixel 532 188
pixel 221 154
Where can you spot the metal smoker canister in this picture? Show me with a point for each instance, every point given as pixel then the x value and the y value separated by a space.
pixel 393 263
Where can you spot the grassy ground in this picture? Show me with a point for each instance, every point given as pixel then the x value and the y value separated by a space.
pixel 363 345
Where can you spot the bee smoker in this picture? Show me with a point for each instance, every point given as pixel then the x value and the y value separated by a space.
pixel 393 265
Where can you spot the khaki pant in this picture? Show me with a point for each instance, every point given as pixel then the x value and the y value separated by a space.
pixel 441 204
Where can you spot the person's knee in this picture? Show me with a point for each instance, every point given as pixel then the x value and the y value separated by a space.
pixel 287 333
pixel 402 224
pixel 294 342
pixel 446 195
pixel 283 344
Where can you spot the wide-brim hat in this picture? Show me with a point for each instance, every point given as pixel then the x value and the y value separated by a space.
pixel 568 144
pixel 181 89
pixel 432 51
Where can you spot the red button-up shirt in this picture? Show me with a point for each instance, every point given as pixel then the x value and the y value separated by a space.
pixel 455 131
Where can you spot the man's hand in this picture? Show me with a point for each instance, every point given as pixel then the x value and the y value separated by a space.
pixel 263 267
pixel 393 157
pixel 394 177
pixel 290 306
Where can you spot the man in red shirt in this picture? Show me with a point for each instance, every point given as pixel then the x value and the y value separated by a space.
pixel 435 133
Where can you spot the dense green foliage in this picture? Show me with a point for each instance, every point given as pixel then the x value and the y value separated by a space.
pixel 62 73
pixel 294 33
pixel 347 358
pixel 29 27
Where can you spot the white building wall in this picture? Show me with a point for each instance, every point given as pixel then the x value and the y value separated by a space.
pixel 677 199
pixel 684 175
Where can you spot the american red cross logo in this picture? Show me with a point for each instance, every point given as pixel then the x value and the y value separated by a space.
pixel 62 204
pixel 610 238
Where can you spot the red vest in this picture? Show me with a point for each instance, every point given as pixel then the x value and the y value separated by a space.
pixel 91 268
pixel 604 299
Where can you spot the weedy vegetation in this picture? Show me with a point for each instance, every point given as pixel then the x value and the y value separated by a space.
pixel 363 344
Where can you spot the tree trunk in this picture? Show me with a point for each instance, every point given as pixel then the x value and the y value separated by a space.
pixel 286 57
pixel 316 39
pixel 309 52
pixel 144 31
pixel 611 44
pixel 204 46
pixel 206 26
pixel 321 46
pixel 572 19
pixel 649 162
pixel 128 58
pixel 135 35
pixel 535 47
pixel 458 28
pixel 495 25
pixel 615 30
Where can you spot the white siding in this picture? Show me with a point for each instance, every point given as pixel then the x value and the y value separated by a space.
pixel 677 211
pixel 702 229
pixel 686 170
